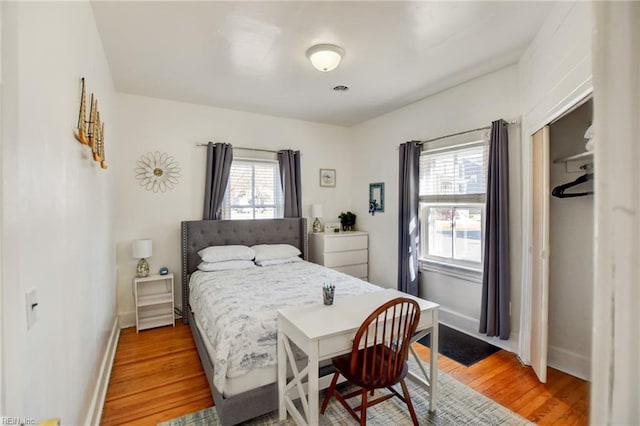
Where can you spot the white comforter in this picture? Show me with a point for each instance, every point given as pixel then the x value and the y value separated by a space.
pixel 237 309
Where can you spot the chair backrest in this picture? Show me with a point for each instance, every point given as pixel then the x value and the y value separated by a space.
pixel 381 344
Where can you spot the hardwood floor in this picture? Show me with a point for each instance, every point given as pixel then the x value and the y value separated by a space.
pixel 563 400
pixel 157 376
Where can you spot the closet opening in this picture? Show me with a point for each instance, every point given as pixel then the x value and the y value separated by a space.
pixel 563 244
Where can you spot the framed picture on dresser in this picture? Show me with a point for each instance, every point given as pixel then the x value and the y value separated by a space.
pixel 332 227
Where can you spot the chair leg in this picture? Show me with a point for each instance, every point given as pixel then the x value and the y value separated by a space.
pixel 330 391
pixel 363 408
pixel 407 398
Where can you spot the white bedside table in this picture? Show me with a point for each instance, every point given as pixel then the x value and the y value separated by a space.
pixel 153 296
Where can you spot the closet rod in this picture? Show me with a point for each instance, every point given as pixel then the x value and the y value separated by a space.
pixel 463 133
pixel 245 149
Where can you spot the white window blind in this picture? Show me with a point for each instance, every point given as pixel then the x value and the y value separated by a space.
pixel 454 173
pixel 254 191
pixel 452 196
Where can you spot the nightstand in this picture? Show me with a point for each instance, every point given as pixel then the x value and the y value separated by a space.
pixel 153 296
pixel 346 252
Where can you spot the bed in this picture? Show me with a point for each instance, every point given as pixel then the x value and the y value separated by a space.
pixel 239 396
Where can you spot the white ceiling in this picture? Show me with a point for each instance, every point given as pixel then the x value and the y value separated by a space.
pixel 250 56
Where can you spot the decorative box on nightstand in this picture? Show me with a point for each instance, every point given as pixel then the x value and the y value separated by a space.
pixel 153 296
pixel 346 252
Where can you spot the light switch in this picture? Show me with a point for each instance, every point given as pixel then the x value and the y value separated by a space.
pixel 32 306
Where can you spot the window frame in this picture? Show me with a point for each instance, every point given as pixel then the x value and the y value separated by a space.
pixel 459 268
pixel 227 206
pixel 450 261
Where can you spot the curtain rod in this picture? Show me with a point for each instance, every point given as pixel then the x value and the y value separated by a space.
pixel 462 133
pixel 245 149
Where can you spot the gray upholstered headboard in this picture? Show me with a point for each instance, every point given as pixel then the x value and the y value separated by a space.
pixel 198 234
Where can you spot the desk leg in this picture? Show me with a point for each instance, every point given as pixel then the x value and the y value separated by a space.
pixel 433 395
pixel 313 390
pixel 427 381
pixel 282 376
pixel 295 389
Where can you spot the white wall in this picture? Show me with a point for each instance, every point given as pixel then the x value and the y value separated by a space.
pixel 148 124
pixel 571 249
pixel 467 106
pixel 57 230
pixel 2 389
pixel 556 66
pixel 616 73
pixel 555 73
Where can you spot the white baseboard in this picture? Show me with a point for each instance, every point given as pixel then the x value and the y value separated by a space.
pixel 100 392
pixel 569 362
pixel 127 319
pixel 470 326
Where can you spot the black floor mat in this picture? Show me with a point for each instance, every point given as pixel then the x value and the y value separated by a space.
pixel 459 346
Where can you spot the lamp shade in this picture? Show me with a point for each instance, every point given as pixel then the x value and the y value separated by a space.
pixel 141 249
pixel 316 210
pixel 325 57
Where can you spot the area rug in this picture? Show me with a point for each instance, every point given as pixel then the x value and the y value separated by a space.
pixel 458 404
pixel 460 347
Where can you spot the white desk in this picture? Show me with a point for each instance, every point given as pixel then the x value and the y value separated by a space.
pixel 324 332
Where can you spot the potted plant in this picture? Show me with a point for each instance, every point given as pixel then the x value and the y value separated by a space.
pixel 347 220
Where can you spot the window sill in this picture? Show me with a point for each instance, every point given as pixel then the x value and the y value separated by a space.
pixel 460 272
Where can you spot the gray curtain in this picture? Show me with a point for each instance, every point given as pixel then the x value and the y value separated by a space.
pixel 494 313
pixel 219 159
pixel 291 187
pixel 408 232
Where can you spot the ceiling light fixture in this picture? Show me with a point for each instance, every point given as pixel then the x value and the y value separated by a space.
pixel 325 57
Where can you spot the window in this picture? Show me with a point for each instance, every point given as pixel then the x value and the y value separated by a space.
pixel 452 197
pixel 254 191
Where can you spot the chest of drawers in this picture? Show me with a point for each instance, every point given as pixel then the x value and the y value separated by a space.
pixel 346 252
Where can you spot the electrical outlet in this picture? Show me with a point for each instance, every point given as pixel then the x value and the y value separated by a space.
pixel 32 306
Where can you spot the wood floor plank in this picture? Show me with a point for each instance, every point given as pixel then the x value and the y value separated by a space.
pixel 503 383
pixel 130 408
pixel 520 384
pixel 539 406
pixel 149 374
pixel 157 376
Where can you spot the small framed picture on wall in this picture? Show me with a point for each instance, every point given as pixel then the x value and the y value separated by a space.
pixel 376 197
pixel 328 177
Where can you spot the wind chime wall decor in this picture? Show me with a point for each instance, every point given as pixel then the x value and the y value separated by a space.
pixel 91 132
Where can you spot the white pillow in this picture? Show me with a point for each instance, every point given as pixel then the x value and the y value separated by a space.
pixel 224 253
pixel 224 266
pixel 274 251
pixel 278 261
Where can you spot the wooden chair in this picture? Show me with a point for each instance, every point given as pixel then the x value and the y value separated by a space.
pixel 378 358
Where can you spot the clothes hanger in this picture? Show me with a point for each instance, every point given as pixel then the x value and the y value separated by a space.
pixel 558 191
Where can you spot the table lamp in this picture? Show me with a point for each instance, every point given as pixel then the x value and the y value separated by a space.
pixel 141 249
pixel 316 211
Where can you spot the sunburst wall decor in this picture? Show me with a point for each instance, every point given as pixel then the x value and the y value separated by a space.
pixel 157 172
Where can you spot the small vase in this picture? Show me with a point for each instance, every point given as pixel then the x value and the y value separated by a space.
pixel 348 226
pixel 327 296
